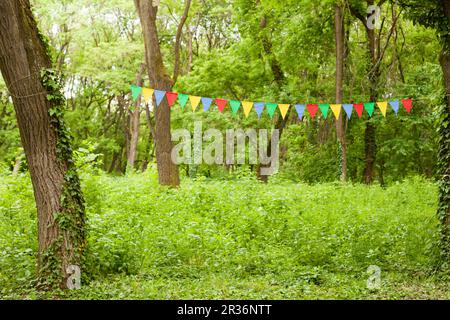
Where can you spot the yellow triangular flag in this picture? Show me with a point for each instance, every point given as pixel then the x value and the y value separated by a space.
pixel 336 108
pixel 147 93
pixel 194 102
pixel 284 109
pixel 247 106
pixel 383 107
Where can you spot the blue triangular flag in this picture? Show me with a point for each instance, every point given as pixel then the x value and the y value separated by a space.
pixel 348 109
pixel 259 108
pixel 300 110
pixel 159 96
pixel 206 103
pixel 395 105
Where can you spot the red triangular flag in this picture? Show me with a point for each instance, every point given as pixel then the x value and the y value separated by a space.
pixel 359 107
pixel 407 103
pixel 312 109
pixel 221 104
pixel 171 98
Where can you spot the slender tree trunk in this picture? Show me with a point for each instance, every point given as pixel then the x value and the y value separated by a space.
pixel 135 123
pixel 167 171
pixel 369 136
pixel 25 65
pixel 397 60
pixel 122 163
pixel 381 173
pixel 113 162
pixel 190 52
pixel 151 138
pixel 148 151
pixel 16 167
pixel 375 56
pixel 370 153
pixel 119 123
pixel 279 79
pixel 177 47
pixel 340 129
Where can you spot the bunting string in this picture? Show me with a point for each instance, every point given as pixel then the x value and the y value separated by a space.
pixel 259 107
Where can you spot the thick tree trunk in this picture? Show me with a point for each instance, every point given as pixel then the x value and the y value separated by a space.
pixel 444 154
pixel 159 79
pixel 59 202
pixel 134 124
pixel 444 144
pixel 340 128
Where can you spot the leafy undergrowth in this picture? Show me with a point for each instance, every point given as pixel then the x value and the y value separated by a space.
pixel 239 239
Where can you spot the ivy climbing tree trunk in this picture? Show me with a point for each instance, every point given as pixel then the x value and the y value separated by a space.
pixel 159 79
pixel 340 125
pixel 26 65
pixel 444 143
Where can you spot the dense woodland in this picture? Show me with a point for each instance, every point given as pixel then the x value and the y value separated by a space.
pixel 274 51
pixel 66 112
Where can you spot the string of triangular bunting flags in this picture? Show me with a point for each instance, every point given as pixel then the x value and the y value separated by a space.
pixel 247 106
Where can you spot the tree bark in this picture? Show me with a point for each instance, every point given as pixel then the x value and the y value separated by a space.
pixel 369 135
pixel 60 205
pixel 445 57
pixel 279 79
pixel 167 171
pixel 444 143
pixel 340 129
pixel 16 167
pixel 151 138
pixel 375 57
pixel 176 67
pixel 444 155
pixel 190 52
pixel 135 123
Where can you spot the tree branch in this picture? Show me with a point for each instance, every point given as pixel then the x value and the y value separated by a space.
pixel 176 69
pixel 381 54
pixel 357 14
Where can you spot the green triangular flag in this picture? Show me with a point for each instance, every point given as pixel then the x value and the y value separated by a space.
pixel 271 108
pixel 135 91
pixel 370 107
pixel 324 108
pixel 182 99
pixel 235 105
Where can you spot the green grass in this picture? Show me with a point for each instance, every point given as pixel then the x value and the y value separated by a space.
pixel 236 240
